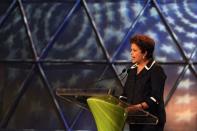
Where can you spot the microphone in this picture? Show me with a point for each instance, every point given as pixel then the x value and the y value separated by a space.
pixel 123 71
pixel 108 78
pixel 112 90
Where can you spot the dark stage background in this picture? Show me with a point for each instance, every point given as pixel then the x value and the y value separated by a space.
pixel 51 44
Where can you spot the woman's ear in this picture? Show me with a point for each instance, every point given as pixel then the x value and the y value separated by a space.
pixel 144 56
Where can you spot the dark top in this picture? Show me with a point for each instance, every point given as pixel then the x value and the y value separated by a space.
pixel 147 86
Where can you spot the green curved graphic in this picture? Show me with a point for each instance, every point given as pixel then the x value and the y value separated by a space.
pixel 108 115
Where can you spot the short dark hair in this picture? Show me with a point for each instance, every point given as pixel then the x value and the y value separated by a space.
pixel 145 43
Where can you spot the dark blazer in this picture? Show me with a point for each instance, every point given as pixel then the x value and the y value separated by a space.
pixel 147 86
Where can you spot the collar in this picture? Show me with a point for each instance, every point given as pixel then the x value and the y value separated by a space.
pixel 150 64
pixel 147 66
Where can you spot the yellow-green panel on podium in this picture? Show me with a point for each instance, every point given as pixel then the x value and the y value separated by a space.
pixel 108 115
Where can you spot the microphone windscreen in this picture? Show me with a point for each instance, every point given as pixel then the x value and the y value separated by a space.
pixel 124 70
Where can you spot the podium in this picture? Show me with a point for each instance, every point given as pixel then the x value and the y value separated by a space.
pixel 108 115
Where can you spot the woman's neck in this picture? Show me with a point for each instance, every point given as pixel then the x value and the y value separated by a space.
pixel 141 65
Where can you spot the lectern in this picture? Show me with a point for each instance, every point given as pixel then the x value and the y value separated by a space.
pixel 106 110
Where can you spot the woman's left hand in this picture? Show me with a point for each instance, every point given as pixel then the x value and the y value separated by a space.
pixel 133 108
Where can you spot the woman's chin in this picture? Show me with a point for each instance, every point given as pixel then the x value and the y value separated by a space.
pixel 133 62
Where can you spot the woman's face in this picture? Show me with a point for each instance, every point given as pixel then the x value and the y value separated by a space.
pixel 136 54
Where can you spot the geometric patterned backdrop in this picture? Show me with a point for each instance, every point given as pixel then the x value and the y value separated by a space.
pixel 84 44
